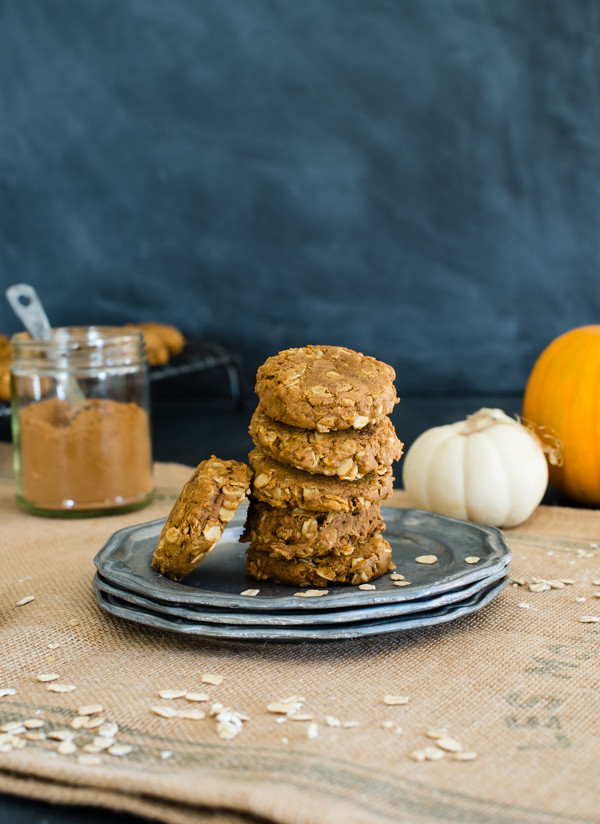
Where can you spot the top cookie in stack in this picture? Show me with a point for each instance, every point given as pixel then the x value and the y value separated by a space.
pixel 322 466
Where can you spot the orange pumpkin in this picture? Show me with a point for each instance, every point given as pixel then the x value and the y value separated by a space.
pixel 563 395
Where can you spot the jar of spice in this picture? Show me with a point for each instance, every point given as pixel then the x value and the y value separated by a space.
pixel 80 422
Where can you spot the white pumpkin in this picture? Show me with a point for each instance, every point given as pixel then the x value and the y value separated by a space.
pixel 488 468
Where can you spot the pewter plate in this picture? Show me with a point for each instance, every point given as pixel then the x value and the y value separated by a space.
pixel 296 617
pixel 218 581
pixel 318 632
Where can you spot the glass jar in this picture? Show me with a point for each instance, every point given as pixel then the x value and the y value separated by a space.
pixel 80 422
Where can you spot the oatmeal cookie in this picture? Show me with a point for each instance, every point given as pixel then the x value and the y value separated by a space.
pixel 284 486
pixel 349 454
pixel 298 533
pixel 207 502
pixel 161 341
pixel 5 363
pixel 369 560
pixel 326 388
pixel 170 335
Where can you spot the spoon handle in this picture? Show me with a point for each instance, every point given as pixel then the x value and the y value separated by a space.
pixel 27 306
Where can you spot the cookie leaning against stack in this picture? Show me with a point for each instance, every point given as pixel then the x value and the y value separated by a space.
pixel 322 466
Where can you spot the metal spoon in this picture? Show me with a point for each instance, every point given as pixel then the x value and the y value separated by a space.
pixel 25 303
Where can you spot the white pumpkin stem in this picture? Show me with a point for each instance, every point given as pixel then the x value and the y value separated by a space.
pixel 551 445
pixel 484 418
pixel 547 439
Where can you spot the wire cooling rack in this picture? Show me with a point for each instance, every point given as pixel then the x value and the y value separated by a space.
pixel 195 357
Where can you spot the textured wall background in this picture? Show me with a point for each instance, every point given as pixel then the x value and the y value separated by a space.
pixel 419 180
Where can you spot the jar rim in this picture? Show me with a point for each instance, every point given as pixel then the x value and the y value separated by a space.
pixel 72 337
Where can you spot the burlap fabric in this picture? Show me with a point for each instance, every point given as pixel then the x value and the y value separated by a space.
pixel 518 683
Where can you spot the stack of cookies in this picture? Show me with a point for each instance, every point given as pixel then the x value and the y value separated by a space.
pixel 322 467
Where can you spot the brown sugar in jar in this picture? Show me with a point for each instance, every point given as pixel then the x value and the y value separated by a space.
pixel 80 423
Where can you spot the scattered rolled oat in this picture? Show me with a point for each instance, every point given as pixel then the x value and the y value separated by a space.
pixel 311 593
pixel 472 559
pixel 73 622
pixel 590 619
pixel 170 694
pixel 417 755
pixel 215 709
pixel 449 744
pixel 90 709
pixel 26 600
pixel 395 576
pixel 596 583
pixel 283 707
pixel 250 592
pixel 33 723
pixel 60 735
pixel 108 730
pixel 7 691
pixel 401 583
pixel 164 712
pixel 393 700
pixel 53 645
pixel 539 586
pixel 433 753
pixel 387 724
pixel 35 735
pixel 119 750
pixel 196 696
pixel 367 586
pixel 296 716
pixel 426 559
pixel 78 722
pixel 191 714
pixel 12 727
pixel 332 721
pixel 61 687
pixel 555 583
pixel 100 743
pixel 519 582
pixel 47 676
pixel 580 600
pixel 436 733
pixel 464 756
pixel 92 722
pixel 211 678
pixel 229 724
pixel 349 724
pixel 66 748
pixel 164 754
pixel 567 581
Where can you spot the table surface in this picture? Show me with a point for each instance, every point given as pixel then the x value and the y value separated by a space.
pixel 187 430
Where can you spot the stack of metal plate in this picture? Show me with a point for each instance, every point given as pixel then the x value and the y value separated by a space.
pixel 469 568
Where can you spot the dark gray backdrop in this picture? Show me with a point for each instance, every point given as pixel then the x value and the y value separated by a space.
pixel 417 179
